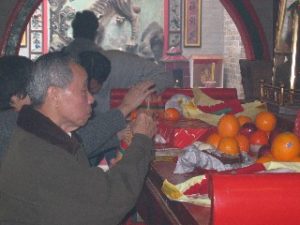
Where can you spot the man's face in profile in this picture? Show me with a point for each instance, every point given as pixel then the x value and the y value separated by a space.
pixel 94 86
pixel 74 107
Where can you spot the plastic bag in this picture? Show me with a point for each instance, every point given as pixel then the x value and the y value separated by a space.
pixel 205 156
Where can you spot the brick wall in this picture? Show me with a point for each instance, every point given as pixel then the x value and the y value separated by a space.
pixel 212 41
pixel 233 51
pixel 220 38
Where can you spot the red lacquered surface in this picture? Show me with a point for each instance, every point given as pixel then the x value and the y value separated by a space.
pixel 117 94
pixel 256 199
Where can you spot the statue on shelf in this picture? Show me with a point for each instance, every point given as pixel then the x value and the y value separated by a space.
pixel 62 14
pixel 106 9
pixel 152 42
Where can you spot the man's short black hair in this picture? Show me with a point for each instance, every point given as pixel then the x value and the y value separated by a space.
pixel 85 25
pixel 96 65
pixel 15 73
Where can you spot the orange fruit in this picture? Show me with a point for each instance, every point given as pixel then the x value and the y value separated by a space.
pixel 133 114
pixel 265 158
pixel 213 139
pixel 296 159
pixel 243 119
pixel 259 137
pixel 228 126
pixel 265 121
pixel 285 146
pixel 243 141
pixel 172 114
pixel 229 145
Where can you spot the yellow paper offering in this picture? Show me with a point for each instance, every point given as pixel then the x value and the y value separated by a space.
pixel 251 109
pixel 202 99
pixel 176 192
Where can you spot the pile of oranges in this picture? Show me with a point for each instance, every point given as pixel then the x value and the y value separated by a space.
pixel 229 138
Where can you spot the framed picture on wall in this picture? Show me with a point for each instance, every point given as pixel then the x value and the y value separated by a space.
pixel 36 21
pixel 206 71
pixel 36 42
pixel 192 23
pixel 174 24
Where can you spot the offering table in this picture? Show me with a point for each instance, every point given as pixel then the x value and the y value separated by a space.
pixel 156 209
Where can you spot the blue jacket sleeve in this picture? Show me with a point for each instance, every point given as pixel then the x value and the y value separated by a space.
pixel 100 131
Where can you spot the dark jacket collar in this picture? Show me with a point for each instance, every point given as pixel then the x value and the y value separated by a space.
pixel 36 123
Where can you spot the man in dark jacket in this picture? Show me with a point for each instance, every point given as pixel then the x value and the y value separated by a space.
pixel 45 177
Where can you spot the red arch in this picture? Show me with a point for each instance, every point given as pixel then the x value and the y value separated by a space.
pixel 11 21
pixel 9 24
pixel 245 33
pixel 246 39
pixel 228 5
pixel 260 29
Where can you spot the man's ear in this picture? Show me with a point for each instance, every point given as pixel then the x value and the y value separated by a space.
pixel 13 101
pixel 53 94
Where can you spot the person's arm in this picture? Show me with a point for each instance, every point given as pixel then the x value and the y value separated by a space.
pixel 91 196
pixel 135 96
pixel 157 74
pixel 123 183
pixel 103 127
pixel 100 132
pixel 129 69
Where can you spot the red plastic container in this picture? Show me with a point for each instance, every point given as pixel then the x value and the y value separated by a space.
pixel 255 199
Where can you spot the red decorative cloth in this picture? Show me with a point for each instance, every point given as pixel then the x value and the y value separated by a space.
pixel 184 132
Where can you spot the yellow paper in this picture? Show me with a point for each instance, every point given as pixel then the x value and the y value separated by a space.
pixel 175 192
pixel 202 99
pixel 170 190
pixel 295 166
pixel 251 109
pixel 190 111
